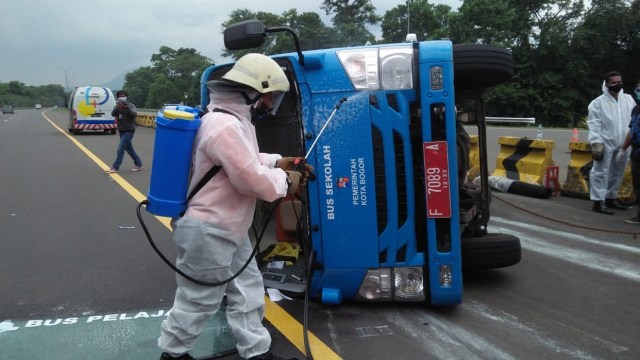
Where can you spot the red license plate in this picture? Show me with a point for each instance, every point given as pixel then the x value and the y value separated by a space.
pixel 436 179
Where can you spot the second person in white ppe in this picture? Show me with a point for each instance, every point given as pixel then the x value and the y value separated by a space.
pixel 608 121
pixel 212 238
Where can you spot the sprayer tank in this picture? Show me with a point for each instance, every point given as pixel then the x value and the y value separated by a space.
pixel 176 128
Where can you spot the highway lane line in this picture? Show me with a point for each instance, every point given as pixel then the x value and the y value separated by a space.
pixel 581 258
pixel 570 236
pixel 444 338
pixel 137 195
pixel 276 315
pixel 552 342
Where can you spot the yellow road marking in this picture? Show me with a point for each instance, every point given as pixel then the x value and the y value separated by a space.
pixel 293 330
pixel 277 316
pixel 116 177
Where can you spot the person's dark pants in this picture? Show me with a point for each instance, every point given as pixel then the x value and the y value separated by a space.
pixel 126 145
pixel 635 175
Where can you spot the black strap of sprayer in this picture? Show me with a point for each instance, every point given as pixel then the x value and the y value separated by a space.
pixel 201 183
pixel 213 171
pixel 208 176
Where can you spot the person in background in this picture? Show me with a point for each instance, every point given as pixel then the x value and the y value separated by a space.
pixel 609 116
pixel 125 113
pixel 212 238
pixel 633 140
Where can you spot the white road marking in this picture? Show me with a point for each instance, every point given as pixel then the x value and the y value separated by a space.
pixel 591 260
pixel 445 339
pixel 569 236
pixel 512 321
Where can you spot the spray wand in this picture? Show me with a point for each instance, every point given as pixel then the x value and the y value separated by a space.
pixel 300 163
pixel 325 126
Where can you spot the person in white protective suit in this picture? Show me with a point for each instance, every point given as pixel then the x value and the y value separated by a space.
pixel 212 237
pixel 608 121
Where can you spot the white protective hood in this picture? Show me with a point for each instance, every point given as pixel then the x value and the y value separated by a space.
pixel 609 118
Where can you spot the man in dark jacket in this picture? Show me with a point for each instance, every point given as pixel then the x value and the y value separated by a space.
pixel 125 114
pixel 633 140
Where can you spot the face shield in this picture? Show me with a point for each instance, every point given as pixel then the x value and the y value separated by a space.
pixel 277 100
pixel 263 108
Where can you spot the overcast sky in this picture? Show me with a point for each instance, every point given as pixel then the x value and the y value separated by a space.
pixel 95 41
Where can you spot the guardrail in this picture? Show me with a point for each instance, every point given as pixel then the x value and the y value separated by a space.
pixel 529 120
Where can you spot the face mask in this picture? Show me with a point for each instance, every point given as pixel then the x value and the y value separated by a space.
pixel 637 92
pixel 261 113
pixel 122 98
pixel 615 88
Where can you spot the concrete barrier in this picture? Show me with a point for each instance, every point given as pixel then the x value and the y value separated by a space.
pixel 580 163
pixel 626 190
pixel 146 120
pixel 474 159
pixel 524 159
pixel 577 182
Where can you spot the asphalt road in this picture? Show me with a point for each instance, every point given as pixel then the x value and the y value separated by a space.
pixel 573 296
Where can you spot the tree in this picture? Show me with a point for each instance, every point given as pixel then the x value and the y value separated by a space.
pixel 313 33
pixel 539 34
pixel 66 72
pixel 427 21
pixel 602 41
pixel 471 24
pixel 176 72
pixel 162 91
pixel 311 30
pixel 18 94
pixel 560 47
pixel 350 19
pixel 137 84
pixel 269 19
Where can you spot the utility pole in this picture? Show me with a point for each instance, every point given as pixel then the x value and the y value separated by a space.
pixel 408 16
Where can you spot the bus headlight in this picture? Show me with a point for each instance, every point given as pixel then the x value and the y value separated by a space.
pixel 396 68
pixel 408 284
pixel 376 285
pixel 376 68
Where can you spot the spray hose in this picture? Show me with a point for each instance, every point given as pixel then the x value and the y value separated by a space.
pixel 310 262
pixel 180 272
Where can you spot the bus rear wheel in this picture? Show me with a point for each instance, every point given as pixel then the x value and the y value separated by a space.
pixel 490 251
pixel 480 66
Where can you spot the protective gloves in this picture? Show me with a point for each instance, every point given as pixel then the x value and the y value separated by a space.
pixel 597 150
pixel 297 164
pixel 293 180
pixel 621 155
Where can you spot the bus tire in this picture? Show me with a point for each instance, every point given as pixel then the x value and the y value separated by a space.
pixel 479 66
pixel 490 251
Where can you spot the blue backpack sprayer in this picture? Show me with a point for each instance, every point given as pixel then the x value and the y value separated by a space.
pixel 176 130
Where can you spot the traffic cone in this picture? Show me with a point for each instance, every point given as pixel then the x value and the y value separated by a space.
pixel 574 136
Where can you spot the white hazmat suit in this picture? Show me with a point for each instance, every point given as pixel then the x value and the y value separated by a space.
pixel 212 238
pixel 608 124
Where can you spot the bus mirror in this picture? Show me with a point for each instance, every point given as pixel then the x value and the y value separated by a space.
pixel 245 35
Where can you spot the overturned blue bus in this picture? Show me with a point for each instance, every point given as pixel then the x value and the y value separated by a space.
pixel 391 214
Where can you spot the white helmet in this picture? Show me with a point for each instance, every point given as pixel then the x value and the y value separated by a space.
pixel 259 72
